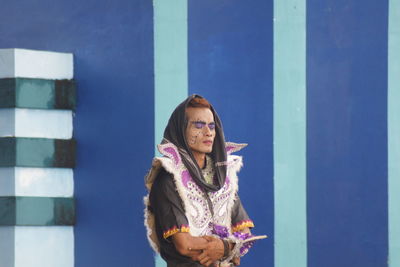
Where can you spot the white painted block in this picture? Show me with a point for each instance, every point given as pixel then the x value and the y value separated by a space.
pixel 7 182
pixel 43 123
pixel 40 123
pixel 35 64
pixel 44 246
pixel 49 182
pixel 7 63
pixel 7 238
pixel 7 122
pixel 36 182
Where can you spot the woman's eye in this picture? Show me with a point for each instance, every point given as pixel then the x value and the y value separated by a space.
pixel 211 126
pixel 199 125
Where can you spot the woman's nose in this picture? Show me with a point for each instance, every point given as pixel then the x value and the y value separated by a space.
pixel 208 131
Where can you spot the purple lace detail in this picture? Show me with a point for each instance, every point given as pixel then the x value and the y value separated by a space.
pixel 186 178
pixel 220 231
pixel 223 232
pixel 246 245
pixel 241 236
pixel 175 155
pixel 227 180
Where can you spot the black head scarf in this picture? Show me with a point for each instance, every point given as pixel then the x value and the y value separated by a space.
pixel 175 133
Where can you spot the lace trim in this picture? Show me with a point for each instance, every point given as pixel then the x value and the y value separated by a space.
pixel 241 225
pixel 174 230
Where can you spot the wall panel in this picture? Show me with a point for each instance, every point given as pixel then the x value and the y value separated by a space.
pixel 230 63
pixel 112 44
pixel 347 133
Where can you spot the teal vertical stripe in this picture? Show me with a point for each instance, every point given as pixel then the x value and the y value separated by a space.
pixel 170 59
pixel 170 64
pixel 290 133
pixel 394 132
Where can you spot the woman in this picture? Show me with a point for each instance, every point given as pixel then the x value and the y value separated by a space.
pixel 194 216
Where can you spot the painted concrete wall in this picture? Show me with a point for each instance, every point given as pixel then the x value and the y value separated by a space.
pixel 347 133
pixel 305 83
pixel 224 42
pixel 112 43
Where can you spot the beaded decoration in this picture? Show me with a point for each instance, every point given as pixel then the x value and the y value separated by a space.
pixel 174 230
pixel 241 225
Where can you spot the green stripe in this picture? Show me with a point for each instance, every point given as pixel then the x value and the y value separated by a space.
pixel 170 65
pixel 37 93
pixel 36 211
pixel 37 152
pixel 394 132
pixel 290 133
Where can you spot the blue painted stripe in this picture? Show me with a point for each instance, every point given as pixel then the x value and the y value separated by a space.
pixel 394 133
pixel 230 63
pixel 290 133
pixel 347 133
pixel 170 65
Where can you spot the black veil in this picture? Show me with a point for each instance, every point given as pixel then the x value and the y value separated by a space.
pixel 175 133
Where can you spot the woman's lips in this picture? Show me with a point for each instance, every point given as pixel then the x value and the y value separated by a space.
pixel 207 142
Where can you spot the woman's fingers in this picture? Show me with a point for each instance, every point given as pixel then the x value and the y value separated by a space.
pixel 236 261
pixel 205 261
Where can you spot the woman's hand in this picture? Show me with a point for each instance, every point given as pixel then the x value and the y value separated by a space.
pixel 214 251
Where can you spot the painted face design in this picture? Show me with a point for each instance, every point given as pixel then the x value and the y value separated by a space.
pixel 200 132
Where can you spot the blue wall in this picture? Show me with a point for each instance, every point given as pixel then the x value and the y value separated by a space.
pixel 230 61
pixel 112 43
pixel 230 52
pixel 347 133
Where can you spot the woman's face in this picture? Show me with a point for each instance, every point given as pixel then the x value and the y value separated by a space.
pixel 200 131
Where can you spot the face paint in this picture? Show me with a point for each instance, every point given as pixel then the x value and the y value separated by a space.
pixel 200 132
pixel 198 124
pixel 193 140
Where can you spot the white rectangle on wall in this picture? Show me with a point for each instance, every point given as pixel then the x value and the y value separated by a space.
pixel 44 246
pixel 7 122
pixel 7 246
pixel 39 123
pixel 35 64
pixel 7 63
pixel 36 182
